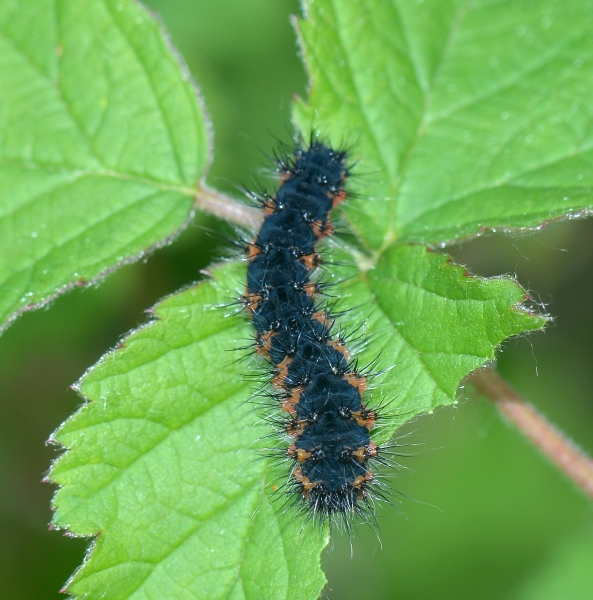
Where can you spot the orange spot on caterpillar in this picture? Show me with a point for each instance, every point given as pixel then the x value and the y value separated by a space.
pixel 359 382
pixel 295 427
pixel 364 453
pixel 365 418
pixel 372 450
pixel 340 346
pixel 288 407
pixel 252 251
pixel 305 482
pixel 251 301
pixel 360 454
pixel 312 260
pixel 360 480
pixel 339 198
pixel 311 289
pixel 263 344
pixel 295 394
pixel 322 317
pixel 289 403
pixel 269 206
pixel 298 454
pixel 322 230
pixel 282 373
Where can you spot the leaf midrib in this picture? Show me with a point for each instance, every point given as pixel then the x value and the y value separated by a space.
pixel 103 172
pixel 456 23
pixel 156 96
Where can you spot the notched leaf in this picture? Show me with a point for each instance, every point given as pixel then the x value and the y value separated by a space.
pixel 432 323
pixel 471 116
pixel 105 143
pixel 162 461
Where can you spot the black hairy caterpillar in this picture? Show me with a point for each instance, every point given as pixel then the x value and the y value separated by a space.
pixel 316 385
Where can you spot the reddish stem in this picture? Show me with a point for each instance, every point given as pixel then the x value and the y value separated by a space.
pixel 534 426
pixel 226 208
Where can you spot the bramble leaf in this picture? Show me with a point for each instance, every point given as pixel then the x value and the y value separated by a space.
pixel 465 115
pixel 161 461
pixel 102 142
pixel 162 466
pixel 431 324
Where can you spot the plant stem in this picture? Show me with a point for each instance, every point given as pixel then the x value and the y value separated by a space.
pixel 226 208
pixel 534 426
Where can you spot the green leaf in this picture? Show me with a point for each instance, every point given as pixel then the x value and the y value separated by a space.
pixel 102 141
pixel 465 115
pixel 162 465
pixel 431 324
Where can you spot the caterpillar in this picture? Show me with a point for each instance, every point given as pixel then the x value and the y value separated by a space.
pixel 315 383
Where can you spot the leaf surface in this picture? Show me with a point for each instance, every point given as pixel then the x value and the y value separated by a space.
pixel 102 142
pixel 161 462
pixel 464 115
pixel 430 323
pixel 162 465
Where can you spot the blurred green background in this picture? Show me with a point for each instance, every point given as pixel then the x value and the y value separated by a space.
pixel 481 515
